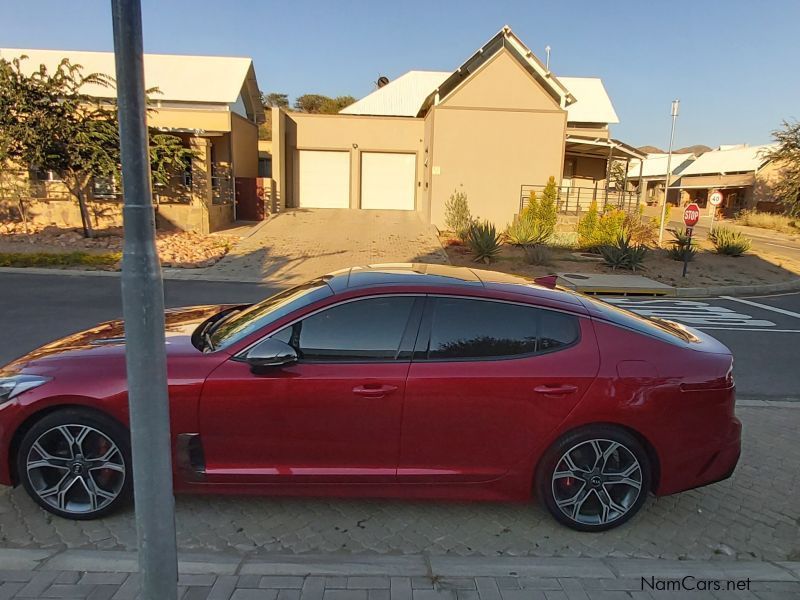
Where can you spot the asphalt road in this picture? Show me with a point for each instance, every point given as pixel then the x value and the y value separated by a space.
pixel 762 332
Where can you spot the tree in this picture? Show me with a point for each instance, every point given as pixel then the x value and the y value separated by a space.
pixel 48 122
pixel 618 175
pixel 787 155
pixel 319 104
pixel 275 99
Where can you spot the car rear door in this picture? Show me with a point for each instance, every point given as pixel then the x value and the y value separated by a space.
pixel 489 381
pixel 332 417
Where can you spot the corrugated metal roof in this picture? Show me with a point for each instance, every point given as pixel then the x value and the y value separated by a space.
pixel 404 96
pixel 401 97
pixel 655 165
pixel 213 79
pixel 734 160
pixel 592 104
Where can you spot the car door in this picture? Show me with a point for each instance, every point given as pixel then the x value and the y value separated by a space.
pixel 488 380
pixel 333 416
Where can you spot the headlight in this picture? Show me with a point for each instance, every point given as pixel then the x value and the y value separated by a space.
pixel 13 385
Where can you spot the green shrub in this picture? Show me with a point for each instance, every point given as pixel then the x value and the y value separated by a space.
pixel 623 253
pixel 526 231
pixel 642 231
pixel 682 247
pixel 538 254
pixel 548 206
pixel 531 210
pixel 729 242
pixel 587 226
pixel 483 241
pixel 457 216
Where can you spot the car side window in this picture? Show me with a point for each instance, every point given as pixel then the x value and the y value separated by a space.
pixel 463 329
pixel 361 330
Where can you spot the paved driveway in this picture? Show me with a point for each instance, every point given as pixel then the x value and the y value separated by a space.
pixel 300 244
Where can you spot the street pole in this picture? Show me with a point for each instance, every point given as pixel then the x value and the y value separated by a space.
pixel 674 112
pixel 143 311
pixel 687 251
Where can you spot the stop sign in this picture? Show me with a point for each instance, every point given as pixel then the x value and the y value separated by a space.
pixel 691 214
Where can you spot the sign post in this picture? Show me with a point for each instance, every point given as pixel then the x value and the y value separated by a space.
pixel 691 215
pixel 715 199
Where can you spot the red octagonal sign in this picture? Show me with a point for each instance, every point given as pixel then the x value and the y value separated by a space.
pixel 691 214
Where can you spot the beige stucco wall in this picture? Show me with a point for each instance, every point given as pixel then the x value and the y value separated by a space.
pixel 498 131
pixel 352 133
pixel 244 142
pixel 190 118
pixel 600 131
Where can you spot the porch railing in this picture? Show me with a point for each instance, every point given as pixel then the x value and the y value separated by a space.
pixel 574 200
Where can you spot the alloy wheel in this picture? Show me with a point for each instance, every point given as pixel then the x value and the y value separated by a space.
pixel 75 468
pixel 596 482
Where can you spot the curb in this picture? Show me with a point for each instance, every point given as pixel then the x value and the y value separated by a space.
pixel 172 274
pixel 420 565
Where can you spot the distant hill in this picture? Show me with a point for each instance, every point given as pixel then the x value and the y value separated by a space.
pixel 697 149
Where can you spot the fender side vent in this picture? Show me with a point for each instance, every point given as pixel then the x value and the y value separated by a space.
pixel 189 455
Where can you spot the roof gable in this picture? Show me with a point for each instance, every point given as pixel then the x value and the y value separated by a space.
pixel 179 78
pixel 401 97
pixel 501 82
pixel 504 39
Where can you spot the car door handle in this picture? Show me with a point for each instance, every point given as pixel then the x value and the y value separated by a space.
pixel 555 390
pixel 374 391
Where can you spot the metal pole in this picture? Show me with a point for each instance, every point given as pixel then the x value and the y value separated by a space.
pixel 674 112
pixel 143 310
pixel 686 251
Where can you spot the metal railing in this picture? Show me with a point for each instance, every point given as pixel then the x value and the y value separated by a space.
pixel 574 200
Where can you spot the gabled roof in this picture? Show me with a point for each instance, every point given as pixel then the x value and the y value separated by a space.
pixel 401 97
pixel 201 79
pixel 655 165
pixel 592 104
pixel 503 39
pixel 737 159
pixel 411 94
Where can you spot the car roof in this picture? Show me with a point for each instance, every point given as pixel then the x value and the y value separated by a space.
pixel 438 276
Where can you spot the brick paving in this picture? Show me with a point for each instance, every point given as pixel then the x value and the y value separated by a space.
pixel 299 244
pixel 112 577
pixel 755 515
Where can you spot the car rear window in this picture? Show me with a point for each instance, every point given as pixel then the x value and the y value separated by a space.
pixel 657 328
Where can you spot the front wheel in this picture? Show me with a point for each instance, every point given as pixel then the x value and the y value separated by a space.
pixel 594 479
pixel 76 464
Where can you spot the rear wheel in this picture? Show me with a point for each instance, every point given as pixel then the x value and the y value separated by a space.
pixel 594 479
pixel 76 464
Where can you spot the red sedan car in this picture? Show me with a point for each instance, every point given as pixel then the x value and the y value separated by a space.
pixel 413 381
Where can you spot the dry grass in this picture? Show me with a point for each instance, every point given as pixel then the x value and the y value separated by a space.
pixel 765 220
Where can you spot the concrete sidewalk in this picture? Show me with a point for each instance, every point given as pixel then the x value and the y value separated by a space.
pixel 97 574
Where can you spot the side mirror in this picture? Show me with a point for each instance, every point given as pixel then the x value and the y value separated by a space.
pixel 271 353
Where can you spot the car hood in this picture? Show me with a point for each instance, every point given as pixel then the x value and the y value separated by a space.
pixel 108 338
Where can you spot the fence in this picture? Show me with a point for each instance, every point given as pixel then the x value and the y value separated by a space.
pixel 576 199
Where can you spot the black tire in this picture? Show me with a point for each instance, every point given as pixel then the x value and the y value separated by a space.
pixel 599 496
pixel 91 474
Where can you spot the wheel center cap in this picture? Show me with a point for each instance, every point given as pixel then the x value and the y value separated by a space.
pixel 77 468
pixel 596 481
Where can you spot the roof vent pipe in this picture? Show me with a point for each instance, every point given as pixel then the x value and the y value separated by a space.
pixel 547 60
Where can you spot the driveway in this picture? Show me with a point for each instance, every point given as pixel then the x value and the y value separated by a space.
pixel 299 244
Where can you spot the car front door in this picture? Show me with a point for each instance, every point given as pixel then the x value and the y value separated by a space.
pixel 333 416
pixel 489 380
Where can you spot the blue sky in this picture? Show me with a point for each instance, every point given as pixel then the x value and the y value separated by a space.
pixel 732 63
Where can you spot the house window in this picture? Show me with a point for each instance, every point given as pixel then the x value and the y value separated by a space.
pixel 265 167
pixel 37 174
pixel 104 186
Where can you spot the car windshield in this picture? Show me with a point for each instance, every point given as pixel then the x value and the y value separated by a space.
pixel 241 324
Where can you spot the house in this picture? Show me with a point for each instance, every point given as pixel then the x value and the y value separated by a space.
pixel 742 173
pixel 496 128
pixel 212 103
pixel 647 176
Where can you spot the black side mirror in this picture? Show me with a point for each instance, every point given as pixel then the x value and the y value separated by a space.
pixel 270 353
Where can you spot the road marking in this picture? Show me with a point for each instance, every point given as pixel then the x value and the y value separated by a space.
pixel 782 246
pixel 763 306
pixel 692 312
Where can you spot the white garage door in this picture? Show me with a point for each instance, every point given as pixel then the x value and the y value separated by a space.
pixel 388 180
pixel 323 179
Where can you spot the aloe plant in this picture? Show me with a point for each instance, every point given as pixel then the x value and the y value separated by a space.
pixel 483 241
pixel 622 254
pixel 729 242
